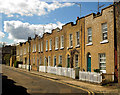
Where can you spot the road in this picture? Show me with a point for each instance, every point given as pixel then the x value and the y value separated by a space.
pixel 24 82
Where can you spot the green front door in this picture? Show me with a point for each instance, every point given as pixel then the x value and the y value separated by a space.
pixel 89 62
pixel 68 61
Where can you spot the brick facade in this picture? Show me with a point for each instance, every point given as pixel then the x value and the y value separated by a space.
pixel 77 50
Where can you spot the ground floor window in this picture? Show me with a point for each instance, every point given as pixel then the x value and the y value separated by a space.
pixel 49 60
pixel 40 61
pixel 54 61
pixel 60 59
pixel 45 61
pixel 68 61
pixel 102 62
pixel 76 60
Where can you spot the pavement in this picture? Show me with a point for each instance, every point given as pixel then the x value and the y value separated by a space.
pixel 97 88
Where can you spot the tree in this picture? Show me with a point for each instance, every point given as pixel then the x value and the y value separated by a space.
pixel 7 59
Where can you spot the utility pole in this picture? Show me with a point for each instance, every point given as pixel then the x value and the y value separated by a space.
pixel 100 6
pixel 29 38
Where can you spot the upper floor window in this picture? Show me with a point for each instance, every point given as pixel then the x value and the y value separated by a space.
pixel 104 31
pixel 60 59
pixel 42 46
pixel 46 45
pixel 35 47
pixel 56 43
pixel 77 38
pixel 76 60
pixel 49 60
pixel 24 50
pixel 62 41
pixel 50 44
pixel 70 40
pixel 89 35
pixel 28 48
pixel 21 52
pixel 39 47
pixel 17 51
pixel 102 64
pixel 34 60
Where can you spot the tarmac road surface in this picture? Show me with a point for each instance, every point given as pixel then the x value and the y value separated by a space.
pixel 24 83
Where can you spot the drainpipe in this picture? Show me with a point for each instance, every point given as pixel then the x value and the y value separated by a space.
pixel 81 47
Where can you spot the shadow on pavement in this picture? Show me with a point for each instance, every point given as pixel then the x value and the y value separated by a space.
pixel 9 87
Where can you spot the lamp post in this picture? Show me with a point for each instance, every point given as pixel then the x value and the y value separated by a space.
pixel 29 38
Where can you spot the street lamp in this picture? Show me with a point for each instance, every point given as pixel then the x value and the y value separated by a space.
pixel 29 38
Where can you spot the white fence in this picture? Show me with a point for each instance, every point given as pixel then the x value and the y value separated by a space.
pixel 42 68
pixel 69 72
pixel 90 76
pixel 24 66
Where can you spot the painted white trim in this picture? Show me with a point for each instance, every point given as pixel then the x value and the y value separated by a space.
pixel 77 45
pixel 62 48
pixel 56 48
pixel 89 44
pixel 104 41
pixel 103 71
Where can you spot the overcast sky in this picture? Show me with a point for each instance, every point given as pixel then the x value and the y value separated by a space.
pixel 22 18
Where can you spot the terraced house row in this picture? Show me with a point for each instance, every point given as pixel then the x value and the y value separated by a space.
pixel 89 44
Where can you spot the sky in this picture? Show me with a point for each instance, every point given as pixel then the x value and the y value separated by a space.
pixel 22 18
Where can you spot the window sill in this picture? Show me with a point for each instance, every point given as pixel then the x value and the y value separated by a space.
pixel 103 71
pixel 69 47
pixel 46 50
pixel 34 51
pixel 77 46
pixel 89 44
pixel 56 49
pixel 41 51
pixel 104 41
pixel 50 49
pixel 62 48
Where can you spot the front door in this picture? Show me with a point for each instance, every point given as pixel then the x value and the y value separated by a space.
pixel 54 61
pixel 89 62
pixel 37 64
pixel 25 60
pixel 68 61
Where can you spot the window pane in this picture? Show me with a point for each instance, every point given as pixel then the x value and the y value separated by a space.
pixel 76 60
pixel 104 31
pixel 102 61
pixel 89 35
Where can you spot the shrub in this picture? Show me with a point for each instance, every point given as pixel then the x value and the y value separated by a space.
pixel 16 63
pixel 7 59
pixel 59 65
pixel 97 70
